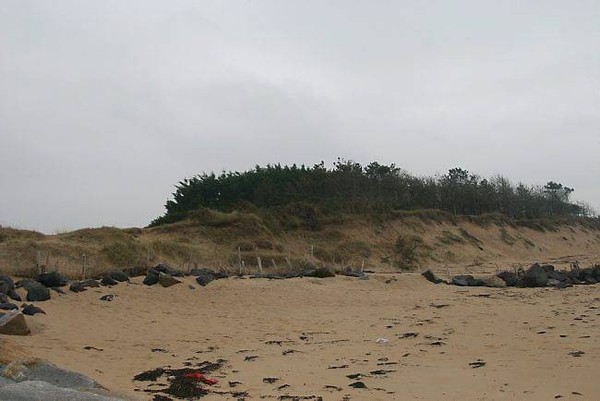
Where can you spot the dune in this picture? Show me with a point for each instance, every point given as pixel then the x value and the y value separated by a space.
pixel 397 334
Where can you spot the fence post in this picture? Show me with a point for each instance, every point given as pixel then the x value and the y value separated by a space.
pixel 260 270
pixel 83 265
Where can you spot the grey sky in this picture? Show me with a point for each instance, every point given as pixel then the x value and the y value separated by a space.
pixel 105 105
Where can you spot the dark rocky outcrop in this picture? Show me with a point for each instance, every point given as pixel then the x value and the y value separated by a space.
pixel 205 278
pixel 79 286
pixel 108 280
pixel 535 276
pixel 31 309
pixel 6 284
pixel 164 268
pixel 319 272
pixel 151 277
pixel 166 280
pixel 216 274
pixel 36 292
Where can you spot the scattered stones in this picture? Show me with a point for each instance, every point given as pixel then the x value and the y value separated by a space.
pixel 14 324
pixel 408 335
pixel 270 380
pixel 577 354
pixel 250 358
pixel 31 309
pixel 107 298
pixel 51 279
pixel 166 280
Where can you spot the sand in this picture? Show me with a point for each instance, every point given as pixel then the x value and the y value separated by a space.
pixel 311 333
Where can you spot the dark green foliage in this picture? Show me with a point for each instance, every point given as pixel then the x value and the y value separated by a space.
pixel 408 249
pixel 300 196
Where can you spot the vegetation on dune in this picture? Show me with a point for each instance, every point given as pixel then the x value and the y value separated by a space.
pixel 301 195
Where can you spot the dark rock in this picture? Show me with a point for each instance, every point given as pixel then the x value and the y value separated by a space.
pixel 107 298
pixel 8 306
pixel 6 284
pixel 216 274
pixel 535 276
pixel 319 272
pixel 14 296
pixel 166 280
pixel 352 273
pixel 51 279
pixel 204 278
pixel 37 292
pixel 510 278
pixel 33 390
pixel 430 276
pixel 466 280
pixel 79 286
pixel 58 290
pixel 358 385
pixel 26 283
pixel 108 280
pixel 31 309
pixel 164 268
pixel 151 278
pixel 493 281
pixel 119 275
pixel 14 324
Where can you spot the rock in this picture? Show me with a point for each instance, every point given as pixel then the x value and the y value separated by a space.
pixel 119 275
pixel 6 284
pixel 204 278
pixel 493 281
pixel 4 298
pixel 466 280
pixel 108 280
pixel 14 324
pixel 31 309
pixel 151 278
pixel 358 384
pixel 5 381
pixel 51 279
pixel 216 274
pixel 164 268
pixel 58 290
pixel 107 298
pixel 352 273
pixel 8 306
pixel 510 278
pixel 35 369
pixel 14 296
pixel 37 292
pixel 319 272
pixel 36 390
pixel 430 276
pixel 79 286
pixel 535 276
pixel 166 280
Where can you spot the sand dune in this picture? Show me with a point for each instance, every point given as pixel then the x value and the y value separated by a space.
pixel 305 336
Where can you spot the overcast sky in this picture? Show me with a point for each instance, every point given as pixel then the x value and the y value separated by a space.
pixel 106 105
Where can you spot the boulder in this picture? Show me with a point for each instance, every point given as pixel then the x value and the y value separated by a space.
pixel 166 280
pixel 51 279
pixel 12 294
pixel 216 274
pixel 164 268
pixel 493 281
pixel 79 286
pixel 6 284
pixel 510 278
pixel 4 381
pixel 14 324
pixel 31 309
pixel 37 292
pixel 319 272
pixel 108 280
pixel 8 306
pixel 204 278
pixel 430 276
pixel 151 278
pixel 535 276
pixel 466 280
pixel 119 275
pixel 36 390
pixel 35 369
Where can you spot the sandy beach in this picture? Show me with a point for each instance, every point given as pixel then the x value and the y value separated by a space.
pixel 401 336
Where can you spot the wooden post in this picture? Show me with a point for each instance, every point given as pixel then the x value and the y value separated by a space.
pixel 260 270
pixel 362 266
pixel 240 259
pixel 83 265
pixel 312 251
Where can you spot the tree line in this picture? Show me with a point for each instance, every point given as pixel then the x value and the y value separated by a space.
pixel 374 186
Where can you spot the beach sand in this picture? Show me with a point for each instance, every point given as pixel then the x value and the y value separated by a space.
pixel 309 334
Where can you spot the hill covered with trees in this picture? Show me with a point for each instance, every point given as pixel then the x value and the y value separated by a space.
pixel 349 187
